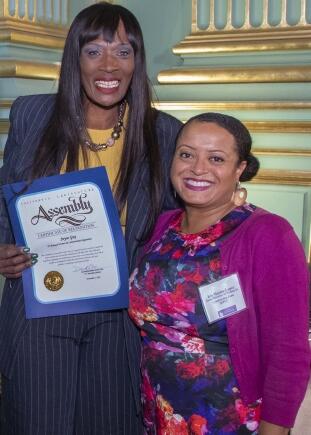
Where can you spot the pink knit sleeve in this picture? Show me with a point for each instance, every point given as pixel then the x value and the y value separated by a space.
pixel 281 286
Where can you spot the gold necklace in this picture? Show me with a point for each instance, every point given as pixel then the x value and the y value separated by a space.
pixel 116 132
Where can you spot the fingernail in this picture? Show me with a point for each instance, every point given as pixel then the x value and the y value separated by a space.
pixel 34 256
pixel 26 249
pixel 33 261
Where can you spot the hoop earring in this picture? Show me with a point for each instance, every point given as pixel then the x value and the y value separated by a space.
pixel 239 195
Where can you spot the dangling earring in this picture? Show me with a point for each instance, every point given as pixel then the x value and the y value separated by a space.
pixel 239 195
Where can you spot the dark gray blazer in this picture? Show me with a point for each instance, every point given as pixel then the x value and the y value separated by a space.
pixel 29 116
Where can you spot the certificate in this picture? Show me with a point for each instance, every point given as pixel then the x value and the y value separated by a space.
pixel 71 222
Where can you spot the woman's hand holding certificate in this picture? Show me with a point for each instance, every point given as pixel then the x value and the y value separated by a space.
pixel 71 222
pixel 14 259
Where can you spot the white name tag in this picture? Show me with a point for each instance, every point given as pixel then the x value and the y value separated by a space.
pixel 222 298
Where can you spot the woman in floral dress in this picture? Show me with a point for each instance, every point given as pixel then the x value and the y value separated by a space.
pixel 229 372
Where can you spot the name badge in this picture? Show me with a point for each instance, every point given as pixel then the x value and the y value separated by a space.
pixel 222 298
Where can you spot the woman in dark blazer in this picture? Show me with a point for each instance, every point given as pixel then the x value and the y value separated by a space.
pixel 79 374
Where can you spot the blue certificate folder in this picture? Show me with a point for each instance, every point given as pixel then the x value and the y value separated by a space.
pixel 71 221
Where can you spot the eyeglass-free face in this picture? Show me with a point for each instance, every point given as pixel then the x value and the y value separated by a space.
pixel 205 167
pixel 106 71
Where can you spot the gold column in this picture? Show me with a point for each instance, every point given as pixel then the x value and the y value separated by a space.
pixel 34 26
pixel 38 23
pixel 247 38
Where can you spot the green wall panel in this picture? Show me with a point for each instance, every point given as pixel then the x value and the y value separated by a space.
pixel 10 88
pixel 164 23
pixel 287 163
pixel 250 59
pixel 291 202
pixel 235 92
pixel 283 140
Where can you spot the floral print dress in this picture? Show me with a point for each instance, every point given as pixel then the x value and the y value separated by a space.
pixel 188 385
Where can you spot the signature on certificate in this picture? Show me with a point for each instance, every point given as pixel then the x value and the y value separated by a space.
pixel 90 268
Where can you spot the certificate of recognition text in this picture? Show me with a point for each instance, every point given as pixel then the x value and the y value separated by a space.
pixel 71 222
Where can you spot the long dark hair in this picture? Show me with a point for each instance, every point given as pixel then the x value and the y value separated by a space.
pixel 243 139
pixel 67 125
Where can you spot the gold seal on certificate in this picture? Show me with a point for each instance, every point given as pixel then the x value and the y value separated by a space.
pixel 53 281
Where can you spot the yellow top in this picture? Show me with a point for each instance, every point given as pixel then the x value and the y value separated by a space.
pixel 109 157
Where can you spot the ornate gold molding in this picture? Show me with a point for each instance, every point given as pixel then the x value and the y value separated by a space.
pixel 29 70
pixel 5 104
pixel 204 75
pixel 205 106
pixel 23 32
pixel 280 176
pixel 4 127
pixel 297 38
pixel 279 126
pixel 282 152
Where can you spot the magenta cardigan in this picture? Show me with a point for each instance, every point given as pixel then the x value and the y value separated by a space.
pixel 268 342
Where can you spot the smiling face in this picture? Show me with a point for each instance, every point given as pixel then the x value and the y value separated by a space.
pixel 106 70
pixel 205 168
